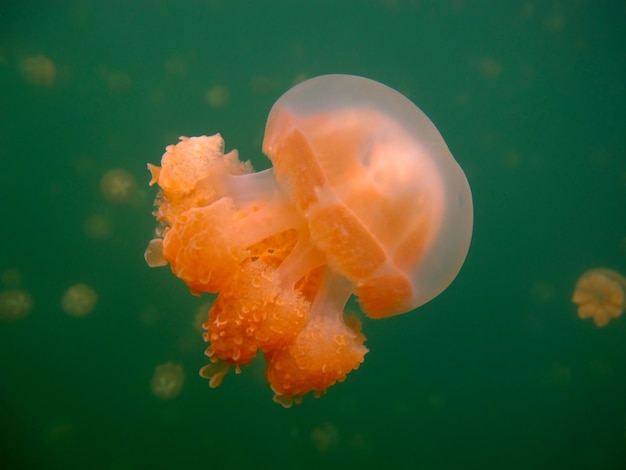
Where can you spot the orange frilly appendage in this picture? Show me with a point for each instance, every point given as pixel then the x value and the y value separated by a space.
pixel 194 173
pixel 226 230
pixel 255 310
pixel 216 211
pixel 325 350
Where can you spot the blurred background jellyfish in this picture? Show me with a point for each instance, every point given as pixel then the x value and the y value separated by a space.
pixel 98 227
pixel 217 96
pixel 59 435
pixel 118 186
pixel 79 300
pixel 11 278
pixel 38 70
pixel 167 380
pixel 599 294
pixel 325 437
pixel 14 304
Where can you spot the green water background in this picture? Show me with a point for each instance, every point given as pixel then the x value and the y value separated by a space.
pixel 497 372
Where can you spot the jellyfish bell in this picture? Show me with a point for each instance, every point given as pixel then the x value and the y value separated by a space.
pixel 600 294
pixel 79 300
pixel 217 96
pixel 38 70
pixel 14 304
pixel 383 196
pixel 325 437
pixel 98 227
pixel 118 186
pixel 167 380
pixel 11 278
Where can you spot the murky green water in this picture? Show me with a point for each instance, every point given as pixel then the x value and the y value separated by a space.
pixel 497 372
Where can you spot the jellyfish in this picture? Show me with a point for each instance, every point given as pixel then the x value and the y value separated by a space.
pixel 38 70
pixel 14 304
pixel 325 437
pixel 217 96
pixel 79 300
pixel 98 227
pixel 167 380
pixel 363 199
pixel 117 186
pixel 600 294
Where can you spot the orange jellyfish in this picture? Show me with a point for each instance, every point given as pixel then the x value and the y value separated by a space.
pixel 600 294
pixel 364 198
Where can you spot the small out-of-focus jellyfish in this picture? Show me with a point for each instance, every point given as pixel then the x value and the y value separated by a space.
pixel 79 300
pixel 600 295
pixel 59 435
pixel 38 70
pixel 325 437
pixel 150 316
pixel 217 96
pixel 262 85
pixel 176 66
pixel 167 380
pixel 119 81
pixel 556 374
pixel 511 159
pixel 358 442
pixel 489 68
pixel 435 401
pixel 98 227
pixel 364 198
pixel 117 186
pixel 115 80
pixel 554 23
pixel 11 278
pixel 542 291
pixel 14 304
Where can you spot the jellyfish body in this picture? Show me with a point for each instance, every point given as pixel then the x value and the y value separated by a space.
pixel 118 186
pixel 79 300
pixel 382 194
pixel 600 294
pixel 364 198
pixel 167 380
